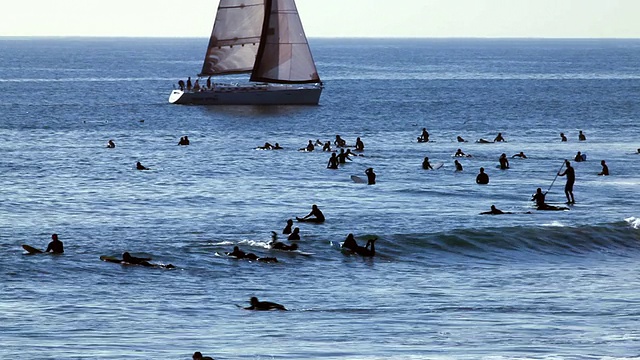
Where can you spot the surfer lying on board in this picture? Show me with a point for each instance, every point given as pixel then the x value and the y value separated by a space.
pixel 263 305
pixel 460 139
pixel 539 198
pixel 521 155
pixel 277 245
pixel 318 216
pixel 460 153
pixel 351 244
pixel 139 166
pixel 132 260
pixel 239 254
pixel 198 356
pixel 55 246
pixel 333 162
pixel 494 211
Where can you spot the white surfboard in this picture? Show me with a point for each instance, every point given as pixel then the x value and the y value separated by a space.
pixel 437 165
pixel 357 179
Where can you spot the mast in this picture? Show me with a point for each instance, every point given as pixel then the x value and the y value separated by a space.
pixel 235 37
pixel 284 55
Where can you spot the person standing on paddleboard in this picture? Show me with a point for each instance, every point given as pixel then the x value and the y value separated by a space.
pixel 571 179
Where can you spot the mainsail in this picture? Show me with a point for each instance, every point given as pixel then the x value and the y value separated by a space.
pixel 284 55
pixel 235 37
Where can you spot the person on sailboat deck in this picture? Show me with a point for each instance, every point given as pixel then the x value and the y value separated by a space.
pixel 359 145
pixel 196 86
pixel 499 138
pixel 184 141
pixel 318 216
pixel 339 142
pixel 209 82
pixel 181 85
pixel 189 86
pixel 111 144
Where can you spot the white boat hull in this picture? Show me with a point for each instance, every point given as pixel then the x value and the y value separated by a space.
pixel 258 94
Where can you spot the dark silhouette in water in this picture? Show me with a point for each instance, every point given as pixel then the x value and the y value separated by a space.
pixel 426 165
pixel 314 216
pixel 605 169
pixel 351 244
pixel 287 229
pixel 539 198
pixel 263 305
pixel 55 246
pixel 111 144
pixel 239 254
pixel 139 166
pixel 494 211
pixel 571 179
pixel 482 177
pixel 371 176
pixel 198 356
pixel 295 235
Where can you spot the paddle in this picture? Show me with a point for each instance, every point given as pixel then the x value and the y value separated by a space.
pixel 554 179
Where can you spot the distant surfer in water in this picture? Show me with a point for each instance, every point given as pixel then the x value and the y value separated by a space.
pixel 571 179
pixel 482 177
pixel 314 216
pixel 239 254
pixel 295 234
pixel 277 147
pixel 563 138
pixel 327 146
pixel 139 166
pixel 494 211
pixel 581 136
pixel 458 165
pixel 579 157
pixel 128 259
pixel 111 144
pixel 460 153
pixel 351 244
pixel 266 146
pixel 333 162
pixel 521 155
pixel 55 246
pixel 371 176
pixel 310 147
pixel 359 145
pixel 605 169
pixel 343 157
pixel 426 165
pixel 263 305
pixel 275 244
pixel 499 138
pixel 198 356
pixel 460 139
pixel 287 229
pixel 184 141
pixel 339 142
pixel 504 162
pixel 424 137
pixel 539 198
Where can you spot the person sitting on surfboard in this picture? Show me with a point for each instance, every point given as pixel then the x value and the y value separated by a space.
pixel 460 139
pixel 263 305
pixel 371 176
pixel 351 244
pixel 504 162
pixel 318 216
pixel 494 211
pixel 499 138
pixel 579 157
pixel 111 144
pixel 198 356
pixel 139 166
pixel 327 146
pixel 277 147
pixel 563 138
pixel 605 169
pixel 581 136
pixel 424 137
pixel 295 235
pixel 266 146
pixel 275 244
pixel 359 144
pixel 482 177
pixel 426 165
pixel 287 229
pixel 521 155
pixel 184 141
pixel 309 147
pixel 333 162
pixel 458 165
pixel 539 198
pixel 55 246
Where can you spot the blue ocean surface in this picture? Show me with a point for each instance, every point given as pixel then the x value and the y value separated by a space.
pixel 446 282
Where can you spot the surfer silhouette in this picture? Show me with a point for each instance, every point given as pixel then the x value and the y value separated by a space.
pixel 424 137
pixel 351 244
pixel 426 165
pixel 263 305
pixel 504 162
pixel 579 157
pixel 458 165
pixel 494 211
pixel 198 356
pixel 571 179
pixel 605 169
pixel 482 177
pixel 55 246
pixel 287 229
pixel 139 166
pixel 333 162
pixel 520 155
pixel 359 145
pixel 581 136
pixel 111 144
pixel 314 216
pixel 295 235
pixel 371 176
pixel 563 138
pixel 499 138
pixel 539 198
pixel 184 141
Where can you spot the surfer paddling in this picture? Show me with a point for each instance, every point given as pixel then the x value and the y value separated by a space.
pixel 277 245
pixel 132 260
pixel 239 254
pixel 315 216
pixel 55 246
pixel 264 305
pixel 139 166
pixel 494 211
pixel 369 250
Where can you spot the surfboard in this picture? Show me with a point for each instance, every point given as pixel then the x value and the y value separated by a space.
pixel 31 250
pixel 437 165
pixel 112 259
pixel 358 180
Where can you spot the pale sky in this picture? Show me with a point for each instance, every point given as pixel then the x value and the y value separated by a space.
pixel 333 18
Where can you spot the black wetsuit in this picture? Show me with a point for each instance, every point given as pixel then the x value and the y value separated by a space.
pixel 55 247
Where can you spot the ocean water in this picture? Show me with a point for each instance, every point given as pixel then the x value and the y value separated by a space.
pixel 446 282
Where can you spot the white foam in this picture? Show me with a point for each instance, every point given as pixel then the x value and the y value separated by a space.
pixel 634 222
pixel 554 224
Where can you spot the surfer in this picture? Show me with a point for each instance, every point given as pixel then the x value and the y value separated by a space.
pixel 111 144
pixel 458 165
pixel 277 147
pixel 287 229
pixel 351 244
pixel 482 177
pixel 571 179
pixel 239 254
pixel 359 144
pixel 295 235
pixel 521 155
pixel 263 305
pixel 343 157
pixel 275 244
pixel 581 136
pixel 484 141
pixel 139 166
pixel 563 138
pixel 504 162
pixel 184 141
pixel 579 157
pixel 327 146
pixel 605 169
pixel 460 139
pixel 318 216
pixel 499 138
pixel 459 153
pixel 424 137
pixel 539 198
pixel 318 142
pixel 339 142
pixel 266 146
pixel 371 176
pixel 310 147
pixel 494 211
pixel 198 356
pixel 55 246
pixel 333 162
pixel 426 165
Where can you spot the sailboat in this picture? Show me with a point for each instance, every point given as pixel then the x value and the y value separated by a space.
pixel 264 38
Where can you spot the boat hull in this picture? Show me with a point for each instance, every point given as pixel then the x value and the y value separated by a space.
pixel 249 95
